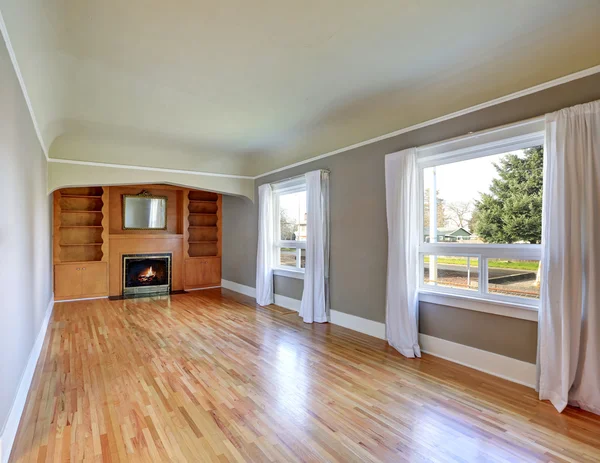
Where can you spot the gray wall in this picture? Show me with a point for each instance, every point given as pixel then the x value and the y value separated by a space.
pixel 502 335
pixel 25 253
pixel 359 233
pixel 290 287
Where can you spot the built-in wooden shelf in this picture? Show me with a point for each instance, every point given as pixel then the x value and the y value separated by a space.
pixel 203 249
pixel 80 233
pixel 144 236
pixel 203 224
pixel 81 254
pixel 92 191
pixel 79 262
pixel 75 211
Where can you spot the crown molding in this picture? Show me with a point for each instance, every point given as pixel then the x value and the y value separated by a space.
pixel 437 120
pixel 147 168
pixel 15 63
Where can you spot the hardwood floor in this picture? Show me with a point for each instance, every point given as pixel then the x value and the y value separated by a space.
pixel 208 376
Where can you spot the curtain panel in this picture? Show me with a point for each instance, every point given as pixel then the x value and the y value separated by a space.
pixel 569 317
pixel 402 205
pixel 265 249
pixel 315 297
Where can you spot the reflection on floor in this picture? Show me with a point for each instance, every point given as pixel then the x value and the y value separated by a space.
pixel 209 376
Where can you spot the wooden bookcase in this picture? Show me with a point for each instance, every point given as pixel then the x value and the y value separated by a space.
pixel 203 236
pixel 80 242
pixel 203 230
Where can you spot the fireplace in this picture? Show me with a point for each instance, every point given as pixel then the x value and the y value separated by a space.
pixel 146 274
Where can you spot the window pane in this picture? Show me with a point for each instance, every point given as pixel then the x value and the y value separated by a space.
pixel 287 257
pixel 292 216
pixel 491 199
pixel 514 277
pixel 451 272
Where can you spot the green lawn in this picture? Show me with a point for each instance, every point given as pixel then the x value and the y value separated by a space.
pixel 493 263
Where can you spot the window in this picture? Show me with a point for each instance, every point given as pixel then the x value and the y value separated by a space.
pixel 481 219
pixel 290 225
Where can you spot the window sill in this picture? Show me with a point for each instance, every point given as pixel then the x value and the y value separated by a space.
pixel 289 273
pixel 506 309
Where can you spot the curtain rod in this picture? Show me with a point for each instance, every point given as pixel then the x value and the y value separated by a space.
pixel 295 177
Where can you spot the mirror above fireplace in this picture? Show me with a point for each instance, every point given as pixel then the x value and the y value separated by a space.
pixel 144 212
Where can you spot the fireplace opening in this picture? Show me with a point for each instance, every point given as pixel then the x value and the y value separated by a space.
pixel 146 274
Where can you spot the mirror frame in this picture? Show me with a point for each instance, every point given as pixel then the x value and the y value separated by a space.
pixel 148 195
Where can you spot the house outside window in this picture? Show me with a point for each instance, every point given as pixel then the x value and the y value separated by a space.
pixel 480 224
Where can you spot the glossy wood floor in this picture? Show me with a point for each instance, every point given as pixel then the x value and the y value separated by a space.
pixel 208 376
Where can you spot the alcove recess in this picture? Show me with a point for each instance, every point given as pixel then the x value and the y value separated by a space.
pixel 202 243
pixel 204 224
pixel 80 232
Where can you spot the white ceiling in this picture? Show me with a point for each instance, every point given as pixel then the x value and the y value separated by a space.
pixel 243 87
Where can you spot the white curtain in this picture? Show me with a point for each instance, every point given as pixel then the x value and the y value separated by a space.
pixel 569 316
pixel 265 251
pixel 315 297
pixel 402 204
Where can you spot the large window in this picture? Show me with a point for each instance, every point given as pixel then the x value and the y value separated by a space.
pixel 481 221
pixel 290 225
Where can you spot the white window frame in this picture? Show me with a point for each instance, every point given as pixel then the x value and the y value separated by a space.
pixel 294 185
pixel 500 140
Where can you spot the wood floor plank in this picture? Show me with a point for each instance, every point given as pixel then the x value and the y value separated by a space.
pixel 211 376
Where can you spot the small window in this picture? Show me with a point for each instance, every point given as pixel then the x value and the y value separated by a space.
pixel 290 224
pixel 481 226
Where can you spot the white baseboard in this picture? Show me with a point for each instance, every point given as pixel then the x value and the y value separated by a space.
pixel 282 301
pixel 7 438
pixel 287 302
pixel 238 288
pixel 362 325
pixel 352 322
pixel 508 368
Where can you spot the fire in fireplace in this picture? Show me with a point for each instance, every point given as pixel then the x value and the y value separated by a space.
pixel 147 277
pixel 146 274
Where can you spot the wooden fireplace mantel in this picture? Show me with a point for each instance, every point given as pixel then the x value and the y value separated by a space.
pixel 179 236
pixel 89 240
